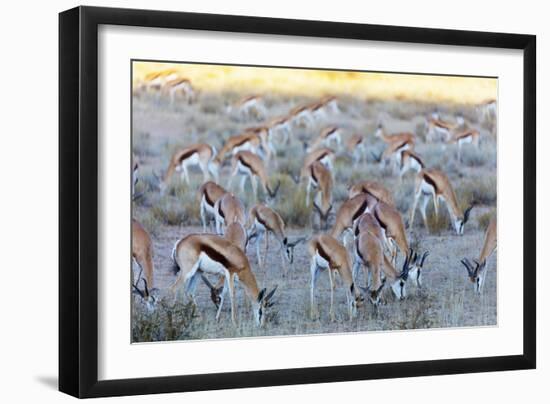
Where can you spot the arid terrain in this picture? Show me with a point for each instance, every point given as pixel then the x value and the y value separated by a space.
pixel 447 298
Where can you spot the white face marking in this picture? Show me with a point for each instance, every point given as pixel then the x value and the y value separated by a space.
pixel 398 288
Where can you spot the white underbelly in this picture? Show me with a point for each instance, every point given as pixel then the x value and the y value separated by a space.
pixel 208 208
pixel 191 160
pixel 242 169
pixel 321 262
pixel 208 265
pixel 427 188
pixel 465 140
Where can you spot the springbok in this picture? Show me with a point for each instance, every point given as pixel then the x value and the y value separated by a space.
pixel 201 155
pixel 470 136
pixel 349 212
pixel 263 220
pixel 320 178
pixel 251 106
pixel 327 136
pixel 409 160
pixel 209 193
pixel 301 115
pixel 355 146
pixel 228 209
pixel 369 254
pixel 329 254
pixel 142 253
pixel 478 272
pixel 438 130
pixel 250 140
pixel 198 254
pixel 435 183
pixel 323 155
pixel 393 228
pixel 374 188
pixel 179 86
pixel 248 165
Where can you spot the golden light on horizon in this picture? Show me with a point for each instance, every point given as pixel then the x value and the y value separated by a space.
pixel 306 82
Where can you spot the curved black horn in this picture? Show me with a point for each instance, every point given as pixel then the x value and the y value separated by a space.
pixel 468 266
pixel 136 290
pixel 424 256
pixel 467 213
pixel 146 289
pixel 270 294
pixel 273 193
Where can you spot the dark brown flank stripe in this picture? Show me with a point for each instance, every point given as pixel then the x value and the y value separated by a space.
pixel 402 144
pixel 357 245
pixel 249 98
pixel 466 134
pixel 313 173
pixel 176 83
pixel 186 155
pixel 244 163
pixel 380 222
pixel 215 255
pixel 360 211
pixel 261 220
pixel 429 180
pixel 246 139
pixel 220 211
pixel 322 252
pixel 331 131
pixel 208 199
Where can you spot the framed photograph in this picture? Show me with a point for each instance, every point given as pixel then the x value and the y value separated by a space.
pixel 251 201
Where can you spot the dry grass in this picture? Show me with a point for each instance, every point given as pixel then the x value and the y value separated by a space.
pixel 446 300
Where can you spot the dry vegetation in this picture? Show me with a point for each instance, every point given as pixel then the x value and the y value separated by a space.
pixel 447 299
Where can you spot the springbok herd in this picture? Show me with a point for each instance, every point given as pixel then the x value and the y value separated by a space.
pixel 366 232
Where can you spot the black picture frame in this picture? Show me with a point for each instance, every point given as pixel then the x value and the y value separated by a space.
pixel 78 201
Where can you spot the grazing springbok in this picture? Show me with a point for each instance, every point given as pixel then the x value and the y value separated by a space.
pixel 477 272
pixel 438 130
pixel 409 160
pixel 374 188
pixel 329 254
pixel 470 136
pixel 209 193
pixel 198 254
pixel 301 116
pixel 179 86
pixel 280 126
pixel 435 184
pixel 323 155
pixel 142 253
pixel 320 178
pixel 263 220
pixel 327 136
pixel 228 209
pixel 355 146
pixel 251 106
pixel 248 165
pixel 349 212
pixel 393 228
pixel 250 140
pixel 201 155
pixel 369 254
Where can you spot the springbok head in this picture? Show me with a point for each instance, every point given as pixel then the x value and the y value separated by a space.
pixel 476 273
pixel 460 222
pixel 417 264
pixel 290 245
pixel 398 285
pixel 264 302
pixel 323 215
pixel 147 295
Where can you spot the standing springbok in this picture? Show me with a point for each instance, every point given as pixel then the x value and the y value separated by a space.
pixel 320 178
pixel 263 220
pixel 278 127
pixel 478 272
pixel 329 254
pixel 328 104
pixel 435 183
pixel 209 193
pixel 212 254
pixel 142 253
pixel 228 209
pixel 201 155
pixel 248 165
pixel 438 130
pixel 301 115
